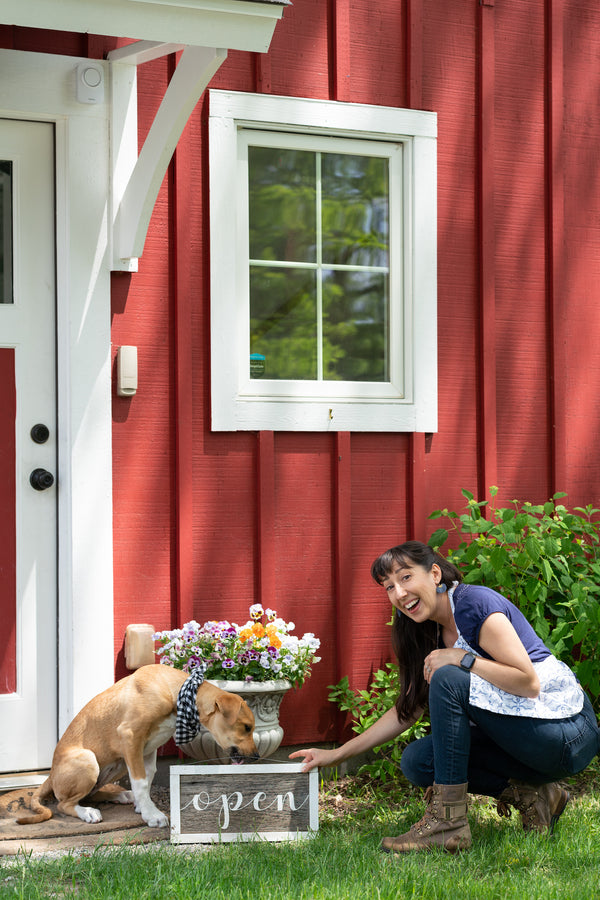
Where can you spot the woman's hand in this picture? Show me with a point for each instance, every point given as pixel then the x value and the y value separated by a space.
pixel 450 656
pixel 315 757
pixel 509 667
pixel 384 729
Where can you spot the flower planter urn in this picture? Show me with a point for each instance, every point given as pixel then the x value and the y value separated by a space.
pixel 264 699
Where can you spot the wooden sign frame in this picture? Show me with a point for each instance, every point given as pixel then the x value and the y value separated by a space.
pixel 220 804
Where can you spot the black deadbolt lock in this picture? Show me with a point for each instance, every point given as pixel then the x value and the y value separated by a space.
pixel 40 434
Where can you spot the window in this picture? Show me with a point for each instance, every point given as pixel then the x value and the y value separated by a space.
pixel 6 229
pixel 323 277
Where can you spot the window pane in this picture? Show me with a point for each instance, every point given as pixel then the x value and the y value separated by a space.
pixel 282 196
pixel 355 210
pixel 283 322
pixel 6 253
pixel 355 329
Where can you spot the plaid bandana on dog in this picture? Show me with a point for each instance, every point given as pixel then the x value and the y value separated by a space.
pixel 188 721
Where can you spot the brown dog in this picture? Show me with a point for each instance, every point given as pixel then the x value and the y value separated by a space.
pixel 120 730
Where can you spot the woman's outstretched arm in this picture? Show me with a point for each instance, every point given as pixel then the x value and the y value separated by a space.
pixel 384 729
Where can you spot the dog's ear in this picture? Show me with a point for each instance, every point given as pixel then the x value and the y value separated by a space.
pixel 210 700
pixel 206 701
pixel 229 706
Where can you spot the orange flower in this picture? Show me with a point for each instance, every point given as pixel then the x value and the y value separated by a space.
pixel 245 635
pixel 258 630
pixel 273 636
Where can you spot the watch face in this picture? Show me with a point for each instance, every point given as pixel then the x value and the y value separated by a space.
pixel 467 661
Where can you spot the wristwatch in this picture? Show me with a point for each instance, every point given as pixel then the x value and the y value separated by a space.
pixel 467 661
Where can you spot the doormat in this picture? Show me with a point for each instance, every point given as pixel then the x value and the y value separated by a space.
pixel 116 817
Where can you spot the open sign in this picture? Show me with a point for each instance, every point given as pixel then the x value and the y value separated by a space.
pixel 273 802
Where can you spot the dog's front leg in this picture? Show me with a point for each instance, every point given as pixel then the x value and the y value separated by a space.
pixel 140 786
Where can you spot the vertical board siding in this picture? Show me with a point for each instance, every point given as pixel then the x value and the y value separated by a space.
pixel 377 66
pixel 304 579
pixel 555 238
pixel 581 249
pixel 521 337
pixel 486 109
pixel 144 438
pixel 295 520
pixel 449 88
pixel 340 57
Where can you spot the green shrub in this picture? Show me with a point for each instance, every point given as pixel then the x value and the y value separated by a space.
pixel 366 707
pixel 545 558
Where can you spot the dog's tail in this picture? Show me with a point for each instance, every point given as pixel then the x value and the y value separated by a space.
pixel 39 812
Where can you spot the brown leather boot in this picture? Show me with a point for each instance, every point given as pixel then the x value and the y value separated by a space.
pixel 540 805
pixel 443 825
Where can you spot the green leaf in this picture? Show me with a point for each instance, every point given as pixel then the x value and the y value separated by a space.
pixel 499 557
pixel 532 589
pixel 533 548
pixel 438 538
pixel 547 570
pixel 580 631
pixel 584 670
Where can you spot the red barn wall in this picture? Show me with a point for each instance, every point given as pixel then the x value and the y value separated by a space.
pixel 208 523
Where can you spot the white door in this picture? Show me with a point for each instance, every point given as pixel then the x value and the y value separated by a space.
pixel 28 447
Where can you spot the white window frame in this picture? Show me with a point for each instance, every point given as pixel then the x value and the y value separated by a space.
pixel 408 402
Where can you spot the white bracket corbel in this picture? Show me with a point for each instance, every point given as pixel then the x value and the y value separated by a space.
pixel 136 180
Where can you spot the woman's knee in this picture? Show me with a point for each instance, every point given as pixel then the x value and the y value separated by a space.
pixel 451 680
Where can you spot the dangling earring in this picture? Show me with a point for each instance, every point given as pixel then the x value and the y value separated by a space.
pixel 441 588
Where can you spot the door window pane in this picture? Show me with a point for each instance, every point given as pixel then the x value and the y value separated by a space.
pixel 6 235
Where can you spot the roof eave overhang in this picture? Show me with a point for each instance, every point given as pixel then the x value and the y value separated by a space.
pixel 232 24
pixel 204 30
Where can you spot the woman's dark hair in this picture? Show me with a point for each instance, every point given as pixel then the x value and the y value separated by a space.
pixel 411 641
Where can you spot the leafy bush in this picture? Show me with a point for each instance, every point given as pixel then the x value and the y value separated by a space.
pixel 366 707
pixel 545 559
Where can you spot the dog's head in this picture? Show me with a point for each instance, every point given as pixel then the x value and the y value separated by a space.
pixel 230 721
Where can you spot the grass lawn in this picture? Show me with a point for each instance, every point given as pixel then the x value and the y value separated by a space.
pixel 343 861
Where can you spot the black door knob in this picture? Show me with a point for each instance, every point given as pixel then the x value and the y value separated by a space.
pixel 41 480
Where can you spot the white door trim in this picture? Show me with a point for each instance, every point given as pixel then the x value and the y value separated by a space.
pixel 41 87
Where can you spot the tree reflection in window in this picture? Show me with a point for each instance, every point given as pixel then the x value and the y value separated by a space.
pixel 319 264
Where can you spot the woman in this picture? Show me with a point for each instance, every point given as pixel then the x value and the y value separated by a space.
pixel 507 718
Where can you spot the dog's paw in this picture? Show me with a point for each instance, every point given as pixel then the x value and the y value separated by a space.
pixel 89 814
pixel 126 797
pixel 157 820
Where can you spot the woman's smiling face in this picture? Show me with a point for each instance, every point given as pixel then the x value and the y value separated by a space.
pixel 412 590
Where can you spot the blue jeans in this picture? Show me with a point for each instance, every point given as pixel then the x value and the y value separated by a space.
pixel 485 749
